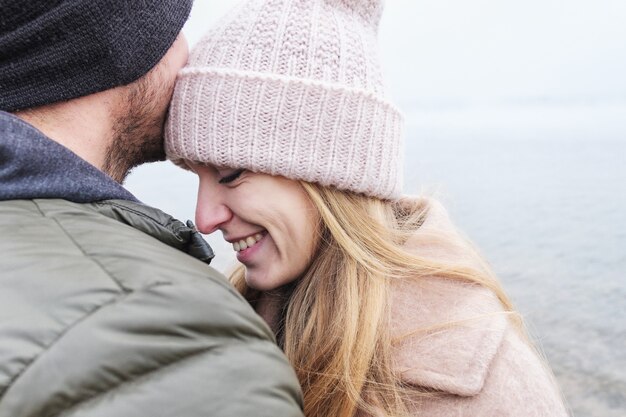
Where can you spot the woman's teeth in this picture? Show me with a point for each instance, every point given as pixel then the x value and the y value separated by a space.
pixel 247 242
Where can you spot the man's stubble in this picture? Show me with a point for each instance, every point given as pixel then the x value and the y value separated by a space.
pixel 139 125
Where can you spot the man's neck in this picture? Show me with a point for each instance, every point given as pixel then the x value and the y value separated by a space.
pixel 82 125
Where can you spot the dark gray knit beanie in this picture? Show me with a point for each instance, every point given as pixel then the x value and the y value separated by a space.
pixel 55 50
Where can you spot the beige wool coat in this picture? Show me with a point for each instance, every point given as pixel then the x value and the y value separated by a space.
pixel 465 348
pixel 455 341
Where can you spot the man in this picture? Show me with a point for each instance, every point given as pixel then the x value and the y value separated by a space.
pixel 103 312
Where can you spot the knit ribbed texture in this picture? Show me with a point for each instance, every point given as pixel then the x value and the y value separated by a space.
pixel 291 88
pixel 55 50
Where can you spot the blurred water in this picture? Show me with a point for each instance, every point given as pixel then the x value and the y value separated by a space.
pixel 542 192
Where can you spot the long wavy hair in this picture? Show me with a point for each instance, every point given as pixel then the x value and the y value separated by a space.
pixel 334 320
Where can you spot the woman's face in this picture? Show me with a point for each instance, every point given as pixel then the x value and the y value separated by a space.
pixel 269 220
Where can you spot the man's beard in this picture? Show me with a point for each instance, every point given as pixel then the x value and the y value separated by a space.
pixel 138 130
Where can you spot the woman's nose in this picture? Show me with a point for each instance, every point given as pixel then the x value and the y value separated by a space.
pixel 211 212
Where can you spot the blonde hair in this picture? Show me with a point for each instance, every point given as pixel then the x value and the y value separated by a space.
pixel 334 324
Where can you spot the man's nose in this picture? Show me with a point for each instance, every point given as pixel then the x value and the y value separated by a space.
pixel 211 212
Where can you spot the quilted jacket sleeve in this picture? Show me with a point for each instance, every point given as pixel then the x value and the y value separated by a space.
pixel 90 328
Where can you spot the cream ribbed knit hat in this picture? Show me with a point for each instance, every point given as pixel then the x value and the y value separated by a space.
pixel 291 88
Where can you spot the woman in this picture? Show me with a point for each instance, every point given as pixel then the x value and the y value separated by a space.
pixel 381 306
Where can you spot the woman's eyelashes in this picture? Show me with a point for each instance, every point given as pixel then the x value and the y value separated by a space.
pixel 231 177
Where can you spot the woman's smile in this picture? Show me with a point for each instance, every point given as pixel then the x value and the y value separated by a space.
pixel 245 243
pixel 274 238
pixel 248 248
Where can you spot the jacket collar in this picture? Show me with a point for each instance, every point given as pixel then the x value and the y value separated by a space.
pixel 161 226
pixel 34 166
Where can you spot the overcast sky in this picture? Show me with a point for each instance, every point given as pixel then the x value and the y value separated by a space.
pixel 491 50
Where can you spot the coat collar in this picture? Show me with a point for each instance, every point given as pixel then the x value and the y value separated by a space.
pixel 447 334
pixel 161 226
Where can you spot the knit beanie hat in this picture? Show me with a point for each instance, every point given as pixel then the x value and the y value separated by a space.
pixel 55 50
pixel 291 88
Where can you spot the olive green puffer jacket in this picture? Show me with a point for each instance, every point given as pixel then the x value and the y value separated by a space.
pixel 103 314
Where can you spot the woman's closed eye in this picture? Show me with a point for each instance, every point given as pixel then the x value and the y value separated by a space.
pixel 231 177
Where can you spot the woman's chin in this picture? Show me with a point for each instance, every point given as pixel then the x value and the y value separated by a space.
pixel 259 283
pixel 265 281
